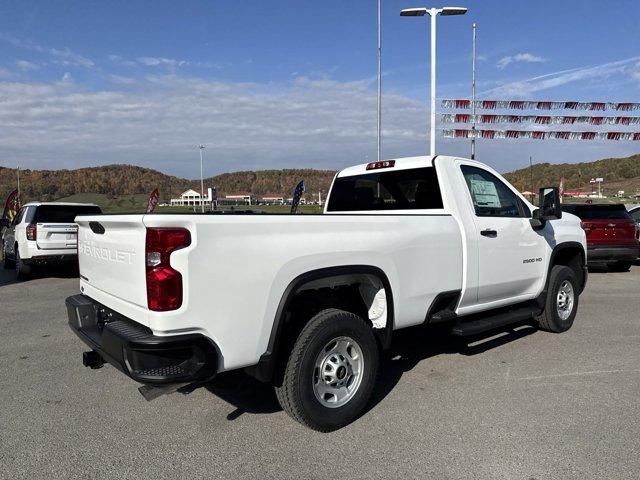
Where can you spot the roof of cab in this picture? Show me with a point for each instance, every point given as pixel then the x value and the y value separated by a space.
pixel 400 164
pixel 64 204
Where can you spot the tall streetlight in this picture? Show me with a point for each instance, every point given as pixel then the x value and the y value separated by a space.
pixel 433 13
pixel 201 148
pixel 379 93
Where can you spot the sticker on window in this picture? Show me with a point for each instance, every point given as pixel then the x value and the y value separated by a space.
pixel 484 193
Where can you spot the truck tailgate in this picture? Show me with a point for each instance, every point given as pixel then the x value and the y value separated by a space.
pixel 111 256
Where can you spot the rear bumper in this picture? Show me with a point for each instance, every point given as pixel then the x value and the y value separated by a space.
pixel 136 351
pixel 50 259
pixel 597 254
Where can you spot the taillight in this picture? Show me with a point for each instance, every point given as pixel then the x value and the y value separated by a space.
pixel 164 284
pixel 32 231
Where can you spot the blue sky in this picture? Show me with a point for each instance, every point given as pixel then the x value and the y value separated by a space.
pixel 290 84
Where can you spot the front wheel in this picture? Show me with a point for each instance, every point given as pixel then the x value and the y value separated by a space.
pixel 331 372
pixel 6 262
pixel 561 304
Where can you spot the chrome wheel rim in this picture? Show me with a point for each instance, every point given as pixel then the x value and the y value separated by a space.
pixel 338 372
pixel 565 300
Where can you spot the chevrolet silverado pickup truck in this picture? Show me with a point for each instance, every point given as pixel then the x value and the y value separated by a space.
pixel 308 302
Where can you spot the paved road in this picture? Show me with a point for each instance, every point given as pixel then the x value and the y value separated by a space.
pixel 528 405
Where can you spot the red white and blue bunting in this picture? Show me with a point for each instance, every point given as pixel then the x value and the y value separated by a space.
pixel 540 135
pixel 540 105
pixel 537 119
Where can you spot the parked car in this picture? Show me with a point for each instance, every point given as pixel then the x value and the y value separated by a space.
pixel 612 234
pixel 43 234
pixel 306 302
pixel 635 214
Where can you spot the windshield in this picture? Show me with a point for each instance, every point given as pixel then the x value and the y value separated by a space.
pixel 598 212
pixel 62 213
pixel 410 189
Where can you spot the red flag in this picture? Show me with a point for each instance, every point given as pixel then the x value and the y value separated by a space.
pixel 153 201
pixel 11 206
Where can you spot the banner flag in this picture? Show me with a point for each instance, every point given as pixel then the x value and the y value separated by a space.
pixel 540 135
pixel 297 194
pixel 540 105
pixel 538 119
pixel 153 201
pixel 11 206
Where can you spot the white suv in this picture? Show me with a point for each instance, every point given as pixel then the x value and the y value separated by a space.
pixel 42 234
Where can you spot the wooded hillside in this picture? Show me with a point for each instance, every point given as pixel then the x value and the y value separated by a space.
pixel 118 180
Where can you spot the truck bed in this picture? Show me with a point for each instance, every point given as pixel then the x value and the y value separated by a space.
pixel 237 267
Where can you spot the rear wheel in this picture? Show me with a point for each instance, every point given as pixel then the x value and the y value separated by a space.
pixel 620 266
pixel 330 374
pixel 561 304
pixel 22 271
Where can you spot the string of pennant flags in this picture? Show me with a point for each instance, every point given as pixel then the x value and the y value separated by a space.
pixel 539 135
pixel 538 119
pixel 540 105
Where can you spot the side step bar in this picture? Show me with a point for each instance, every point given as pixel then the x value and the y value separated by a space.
pixel 475 325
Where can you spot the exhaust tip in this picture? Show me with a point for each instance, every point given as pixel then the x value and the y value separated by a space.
pixel 92 359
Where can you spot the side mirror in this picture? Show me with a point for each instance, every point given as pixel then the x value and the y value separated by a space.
pixel 536 222
pixel 550 206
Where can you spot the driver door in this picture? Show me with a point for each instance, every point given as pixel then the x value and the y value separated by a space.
pixel 511 255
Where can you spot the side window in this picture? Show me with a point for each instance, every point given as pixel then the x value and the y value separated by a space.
pixel 636 215
pixel 491 197
pixel 18 218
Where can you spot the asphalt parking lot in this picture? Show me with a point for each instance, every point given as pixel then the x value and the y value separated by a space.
pixel 526 405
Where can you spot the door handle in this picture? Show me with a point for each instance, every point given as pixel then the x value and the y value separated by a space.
pixel 489 233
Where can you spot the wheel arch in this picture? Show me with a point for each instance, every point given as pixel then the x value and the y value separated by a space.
pixel 265 368
pixel 570 254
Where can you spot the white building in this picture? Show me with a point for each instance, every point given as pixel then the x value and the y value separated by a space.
pixel 239 199
pixel 192 198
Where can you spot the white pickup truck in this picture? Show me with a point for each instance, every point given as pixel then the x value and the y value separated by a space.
pixel 307 302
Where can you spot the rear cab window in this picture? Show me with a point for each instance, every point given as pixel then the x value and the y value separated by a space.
pixel 63 213
pixel 408 189
pixel 598 212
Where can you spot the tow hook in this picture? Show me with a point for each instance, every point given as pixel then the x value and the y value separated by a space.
pixel 92 359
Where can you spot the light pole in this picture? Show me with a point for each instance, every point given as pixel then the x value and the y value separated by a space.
pixel 473 93
pixel 379 59
pixel 433 13
pixel 201 148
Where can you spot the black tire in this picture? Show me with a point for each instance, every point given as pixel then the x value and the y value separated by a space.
pixel 6 262
pixel 297 394
pixel 550 319
pixel 23 272
pixel 620 266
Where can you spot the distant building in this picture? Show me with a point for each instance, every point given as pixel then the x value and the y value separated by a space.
pixel 237 199
pixel 191 198
pixel 272 199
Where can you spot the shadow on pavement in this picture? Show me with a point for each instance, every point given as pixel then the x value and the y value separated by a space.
pixel 8 277
pixel 410 346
